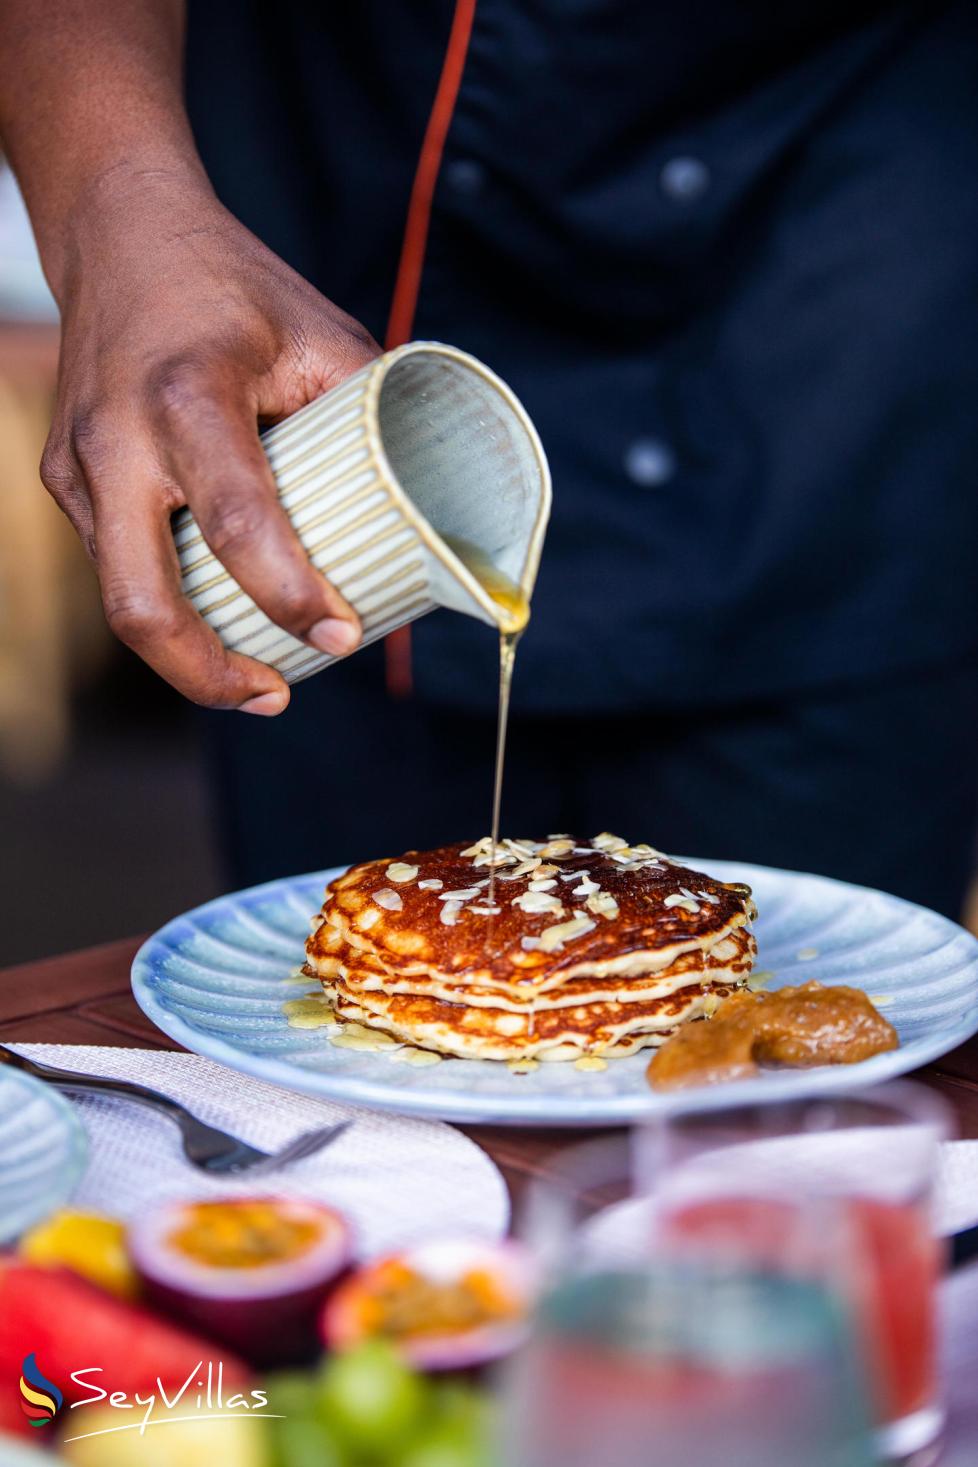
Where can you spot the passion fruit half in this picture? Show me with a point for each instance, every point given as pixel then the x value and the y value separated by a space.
pixel 252 1272
pixel 445 1305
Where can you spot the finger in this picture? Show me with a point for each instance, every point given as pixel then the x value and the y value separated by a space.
pixel 144 605
pixel 324 346
pixel 210 440
pixel 338 346
pixel 63 478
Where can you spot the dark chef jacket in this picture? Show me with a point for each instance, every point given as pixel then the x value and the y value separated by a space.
pixel 727 255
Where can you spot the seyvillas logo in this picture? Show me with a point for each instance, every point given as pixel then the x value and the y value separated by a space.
pixel 200 1396
pixel 40 1399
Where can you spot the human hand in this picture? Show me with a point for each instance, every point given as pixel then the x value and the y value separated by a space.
pixel 181 332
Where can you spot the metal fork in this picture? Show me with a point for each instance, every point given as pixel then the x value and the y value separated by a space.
pixel 205 1146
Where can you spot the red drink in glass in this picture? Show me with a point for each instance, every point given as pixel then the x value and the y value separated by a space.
pixel 889 1274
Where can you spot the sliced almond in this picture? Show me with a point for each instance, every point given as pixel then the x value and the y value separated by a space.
pixel 400 871
pixel 608 842
pixel 535 903
pixel 558 849
pixel 480 846
pixel 546 885
pixel 431 883
pixel 552 938
pixel 603 904
pixel 688 904
pixel 587 886
pixel 486 911
pixel 527 866
pixel 501 858
pixel 389 900
pixel 464 894
pixel 545 869
pixel 449 913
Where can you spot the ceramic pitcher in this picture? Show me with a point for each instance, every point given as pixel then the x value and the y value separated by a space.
pixel 423 444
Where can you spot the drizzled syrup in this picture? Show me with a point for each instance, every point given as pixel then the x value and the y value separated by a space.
pixel 514 613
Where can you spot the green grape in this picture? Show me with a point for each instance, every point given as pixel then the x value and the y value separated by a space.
pixel 371 1399
pixel 457 1400
pixel 300 1441
pixel 291 1392
pixel 445 1444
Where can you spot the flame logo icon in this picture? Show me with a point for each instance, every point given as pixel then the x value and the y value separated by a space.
pixel 40 1398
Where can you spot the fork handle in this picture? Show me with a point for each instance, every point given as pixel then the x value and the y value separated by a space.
pixel 76 1080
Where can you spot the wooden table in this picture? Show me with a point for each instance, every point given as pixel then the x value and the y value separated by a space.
pixel 85 998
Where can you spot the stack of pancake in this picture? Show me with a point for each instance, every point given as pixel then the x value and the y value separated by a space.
pixel 583 948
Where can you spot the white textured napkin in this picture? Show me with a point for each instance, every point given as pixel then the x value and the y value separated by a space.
pixel 396 1179
pixel 959 1350
pixel 956 1203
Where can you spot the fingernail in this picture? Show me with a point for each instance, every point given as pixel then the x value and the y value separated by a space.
pixel 333 636
pixel 265 704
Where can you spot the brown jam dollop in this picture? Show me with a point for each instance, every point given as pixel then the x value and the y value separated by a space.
pixel 810 1025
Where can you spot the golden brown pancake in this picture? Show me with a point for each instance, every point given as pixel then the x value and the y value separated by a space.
pixel 727 961
pixel 497 1034
pixel 587 947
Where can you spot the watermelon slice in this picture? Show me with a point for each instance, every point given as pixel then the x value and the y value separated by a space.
pixel 69 1325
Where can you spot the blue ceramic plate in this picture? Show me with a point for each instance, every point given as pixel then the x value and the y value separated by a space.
pixel 216 980
pixel 43 1149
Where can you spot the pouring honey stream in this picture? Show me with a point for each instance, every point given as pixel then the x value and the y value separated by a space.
pixel 514 615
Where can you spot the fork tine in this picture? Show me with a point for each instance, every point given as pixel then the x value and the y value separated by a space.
pixel 312 1142
pixel 308 1144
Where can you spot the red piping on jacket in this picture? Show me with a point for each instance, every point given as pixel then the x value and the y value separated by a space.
pixel 407 285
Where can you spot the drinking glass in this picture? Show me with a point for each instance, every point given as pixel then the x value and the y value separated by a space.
pixel 861 1167
pixel 641 1361
pixel 834 1192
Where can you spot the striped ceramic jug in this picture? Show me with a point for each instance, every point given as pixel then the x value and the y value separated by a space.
pixel 424 444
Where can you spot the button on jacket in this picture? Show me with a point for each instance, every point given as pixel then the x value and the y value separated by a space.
pixel 727 255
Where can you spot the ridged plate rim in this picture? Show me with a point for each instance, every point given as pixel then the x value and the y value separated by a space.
pixel 497 1097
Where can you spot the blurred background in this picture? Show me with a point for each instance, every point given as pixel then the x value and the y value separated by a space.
pixel 97 755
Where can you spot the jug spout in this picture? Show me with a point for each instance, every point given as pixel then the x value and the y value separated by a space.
pixel 472 470
pixel 419 482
